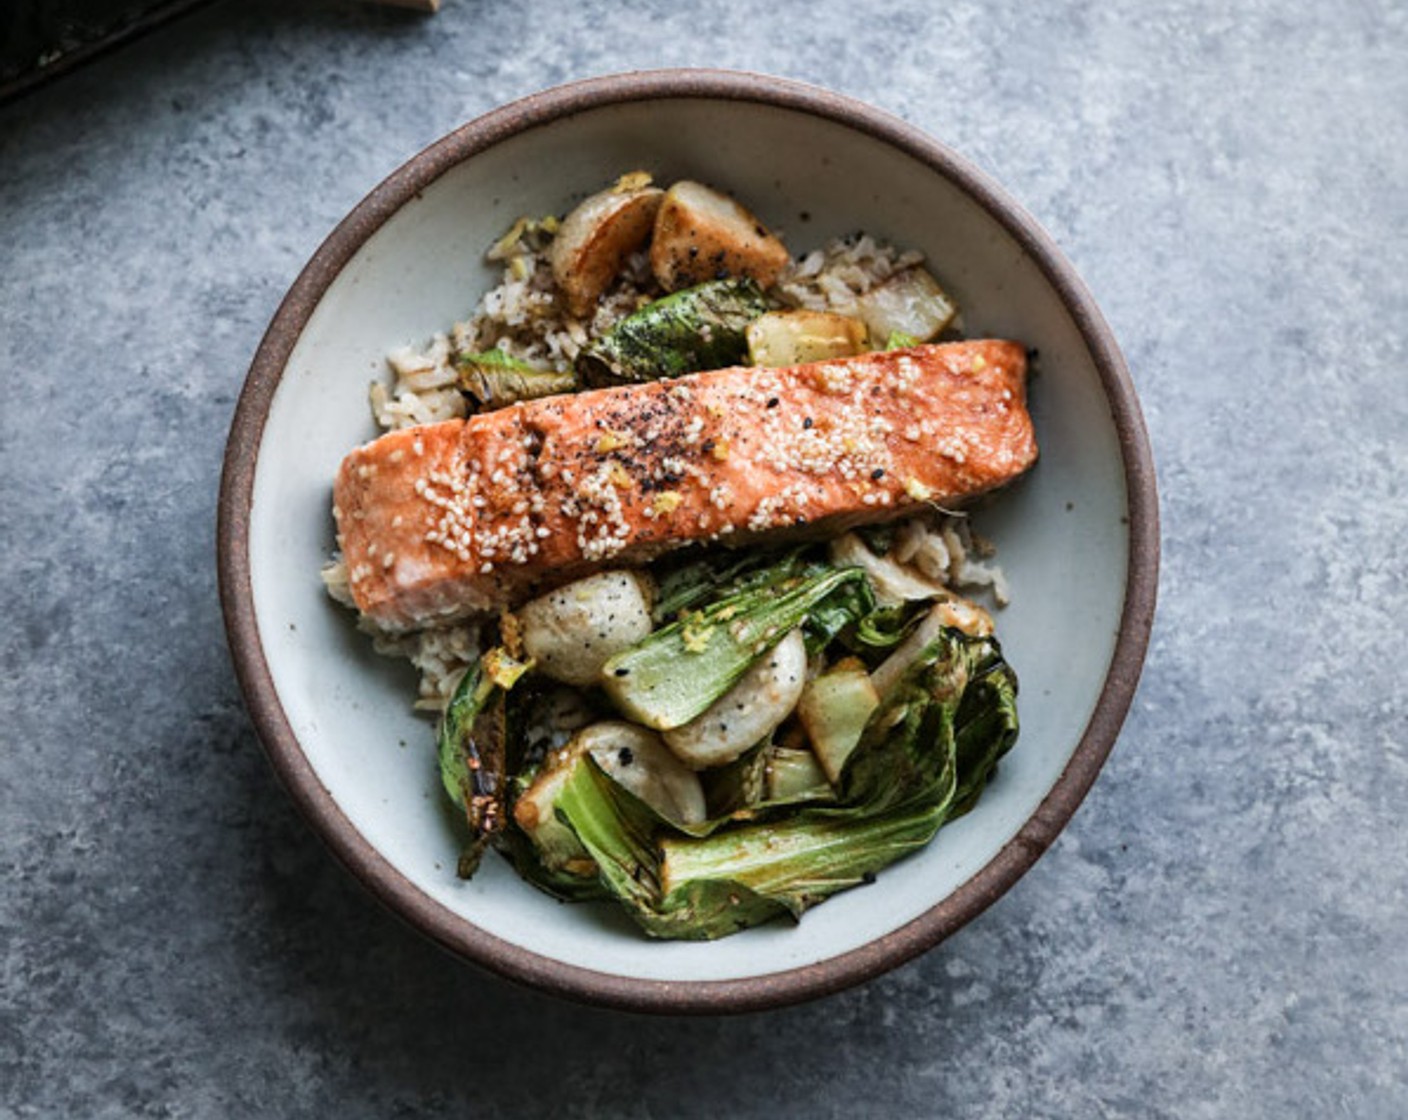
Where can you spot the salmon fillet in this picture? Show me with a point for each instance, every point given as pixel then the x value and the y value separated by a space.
pixel 458 518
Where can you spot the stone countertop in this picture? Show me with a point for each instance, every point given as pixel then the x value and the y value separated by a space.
pixel 1223 928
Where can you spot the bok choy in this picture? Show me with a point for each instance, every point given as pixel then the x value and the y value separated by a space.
pixel 931 749
pixel 677 672
pixel 698 328
pixel 889 722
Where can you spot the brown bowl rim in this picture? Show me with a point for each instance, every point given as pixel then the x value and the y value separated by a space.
pixel 458 934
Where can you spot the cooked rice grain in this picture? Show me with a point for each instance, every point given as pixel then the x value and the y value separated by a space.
pixel 830 278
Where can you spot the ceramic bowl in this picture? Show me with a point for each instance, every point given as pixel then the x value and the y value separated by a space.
pixel 1078 537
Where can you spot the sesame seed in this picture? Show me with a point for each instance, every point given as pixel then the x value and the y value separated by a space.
pixel 842 429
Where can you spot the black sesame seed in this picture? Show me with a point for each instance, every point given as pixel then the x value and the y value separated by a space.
pixel 807 422
pixel 773 402
pixel 626 756
pixel 878 473
pixel 622 671
pixel 867 877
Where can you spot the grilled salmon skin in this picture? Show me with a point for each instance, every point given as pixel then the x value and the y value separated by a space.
pixel 462 517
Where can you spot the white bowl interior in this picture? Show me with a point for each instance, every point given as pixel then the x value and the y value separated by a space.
pixel 1060 531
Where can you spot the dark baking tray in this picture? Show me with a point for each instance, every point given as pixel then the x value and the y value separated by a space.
pixel 41 39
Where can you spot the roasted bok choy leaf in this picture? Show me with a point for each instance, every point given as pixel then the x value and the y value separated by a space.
pixel 620 832
pixel 927 751
pixel 539 724
pixel 681 669
pixel 766 780
pixel 472 749
pixel 496 379
pixel 786 736
pixel 909 751
pixel 695 329
pixel 687 582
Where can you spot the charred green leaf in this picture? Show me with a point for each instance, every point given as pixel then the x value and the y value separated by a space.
pixel 695 329
pixel 676 673
pixel 496 379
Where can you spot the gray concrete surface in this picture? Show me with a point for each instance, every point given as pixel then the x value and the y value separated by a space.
pixel 1221 932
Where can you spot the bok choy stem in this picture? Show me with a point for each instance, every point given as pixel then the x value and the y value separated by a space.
pixel 679 670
